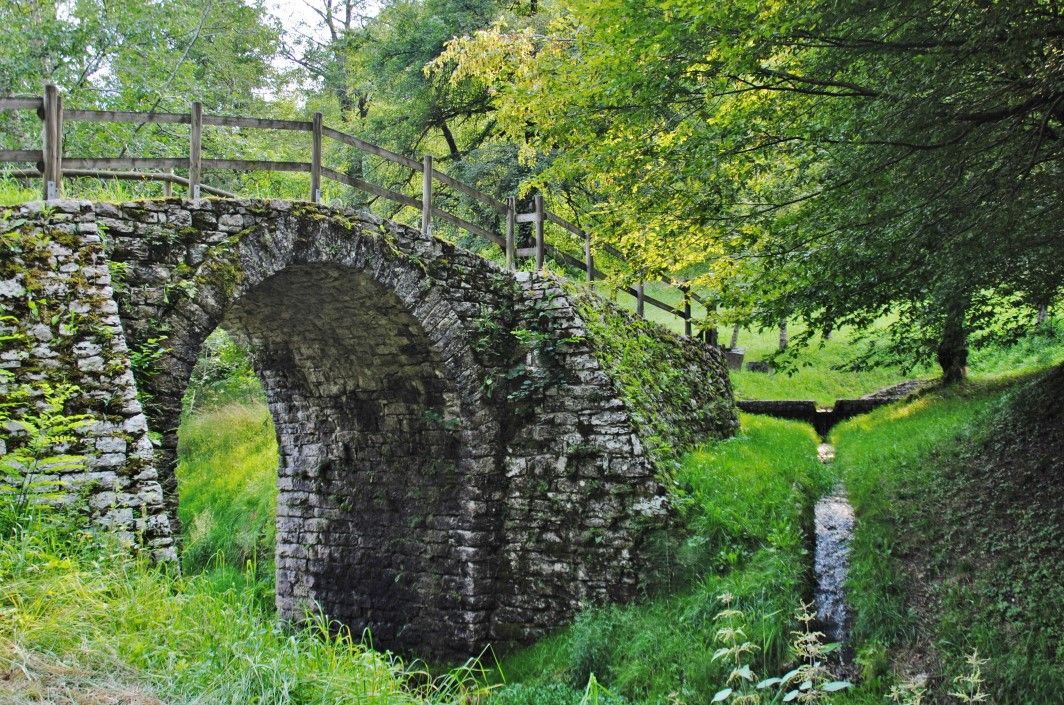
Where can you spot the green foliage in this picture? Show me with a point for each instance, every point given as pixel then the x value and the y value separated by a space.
pixel 529 359
pixel 37 437
pixel 227 481
pixel 662 649
pixel 821 160
pixel 954 549
pixel 554 694
pixel 223 374
pixel 652 370
pixel 736 651
pixel 811 681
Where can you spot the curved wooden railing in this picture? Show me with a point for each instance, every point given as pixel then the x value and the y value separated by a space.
pixel 52 166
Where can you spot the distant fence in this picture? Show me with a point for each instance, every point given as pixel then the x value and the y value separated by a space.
pixel 52 166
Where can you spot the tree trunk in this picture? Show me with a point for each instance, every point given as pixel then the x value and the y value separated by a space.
pixel 452 144
pixel 783 335
pixel 1043 314
pixel 953 348
pixel 734 337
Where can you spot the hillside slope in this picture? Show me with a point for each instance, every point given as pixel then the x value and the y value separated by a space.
pixel 964 493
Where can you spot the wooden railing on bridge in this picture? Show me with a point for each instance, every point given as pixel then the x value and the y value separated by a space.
pixel 52 165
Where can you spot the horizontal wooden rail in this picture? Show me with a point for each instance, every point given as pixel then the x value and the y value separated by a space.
pixel 258 123
pixel 125 116
pixel 473 193
pixel 21 103
pixel 371 148
pixel 125 163
pixel 120 176
pixel 363 185
pixel 56 166
pixel 21 155
pixel 565 224
pixel 471 227
pixel 185 119
pixel 255 165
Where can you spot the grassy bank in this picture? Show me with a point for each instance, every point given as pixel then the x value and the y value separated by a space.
pixel 82 622
pixel 227 479
pixel 959 538
pixel 744 501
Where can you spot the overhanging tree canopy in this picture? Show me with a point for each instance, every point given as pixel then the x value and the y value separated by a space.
pixel 827 161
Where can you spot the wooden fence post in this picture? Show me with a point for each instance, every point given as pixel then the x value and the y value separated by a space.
pixel 315 160
pixel 168 187
pixel 540 244
pixel 639 302
pixel 686 311
pixel 426 196
pixel 51 141
pixel 58 170
pixel 511 231
pixel 589 262
pixel 195 172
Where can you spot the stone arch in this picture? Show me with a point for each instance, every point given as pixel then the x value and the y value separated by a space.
pixel 442 482
pixel 388 443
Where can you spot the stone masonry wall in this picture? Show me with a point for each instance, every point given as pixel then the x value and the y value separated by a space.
pixel 459 465
pixel 59 326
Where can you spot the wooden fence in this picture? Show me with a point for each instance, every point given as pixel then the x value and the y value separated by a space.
pixel 52 166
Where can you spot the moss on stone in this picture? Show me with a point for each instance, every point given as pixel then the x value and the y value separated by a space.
pixel 676 389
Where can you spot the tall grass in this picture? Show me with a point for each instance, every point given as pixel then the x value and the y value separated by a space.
pixel 227 482
pixel 94 615
pixel 957 545
pixel 744 501
pixel 883 457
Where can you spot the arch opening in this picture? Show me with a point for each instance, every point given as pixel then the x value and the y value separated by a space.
pixel 375 517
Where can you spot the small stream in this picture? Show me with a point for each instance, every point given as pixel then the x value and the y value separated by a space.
pixel 833 519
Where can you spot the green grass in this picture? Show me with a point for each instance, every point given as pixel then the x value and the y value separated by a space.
pixel 227 481
pixel 746 501
pixel 817 374
pixel 959 534
pixel 83 622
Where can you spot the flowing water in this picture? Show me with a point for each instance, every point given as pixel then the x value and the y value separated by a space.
pixel 833 518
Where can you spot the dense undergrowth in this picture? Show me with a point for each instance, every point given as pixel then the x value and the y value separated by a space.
pixel 959 545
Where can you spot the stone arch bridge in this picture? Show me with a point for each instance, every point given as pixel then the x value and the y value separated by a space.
pixel 464 456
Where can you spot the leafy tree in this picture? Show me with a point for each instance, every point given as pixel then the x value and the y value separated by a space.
pixel 834 162
pixel 135 55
